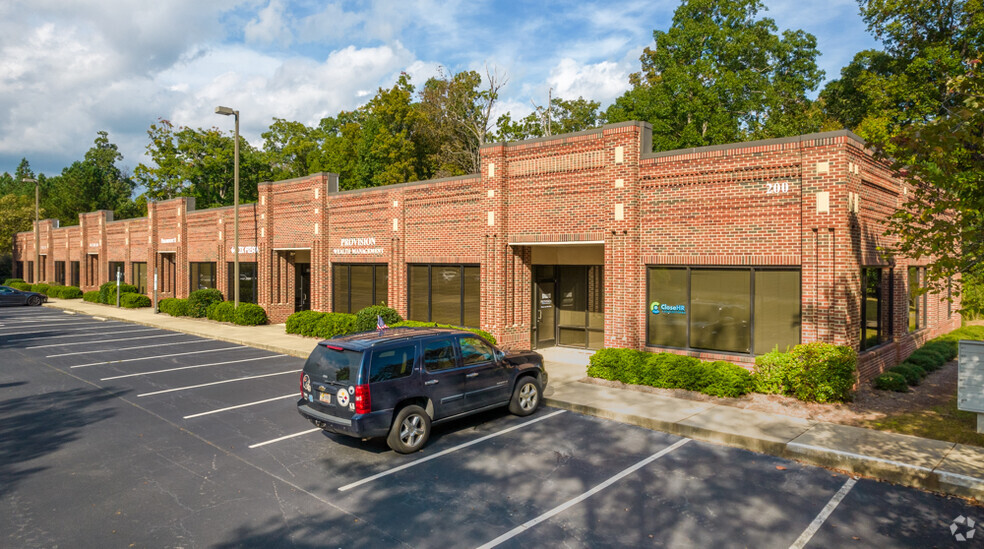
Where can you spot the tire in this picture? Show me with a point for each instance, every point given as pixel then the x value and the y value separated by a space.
pixel 410 430
pixel 526 396
pixel 33 301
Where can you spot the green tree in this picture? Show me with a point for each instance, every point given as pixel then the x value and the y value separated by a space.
pixel 338 150
pixel 390 151
pixel 564 116
pixel 720 75
pixel 200 163
pixel 925 45
pixel 16 215
pixel 94 183
pixel 943 160
pixel 290 148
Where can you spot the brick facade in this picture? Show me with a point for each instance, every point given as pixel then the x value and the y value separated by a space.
pixel 816 203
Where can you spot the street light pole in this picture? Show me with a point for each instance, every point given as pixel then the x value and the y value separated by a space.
pixel 235 209
pixel 37 229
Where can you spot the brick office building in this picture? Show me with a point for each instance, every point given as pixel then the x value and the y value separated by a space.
pixel 584 239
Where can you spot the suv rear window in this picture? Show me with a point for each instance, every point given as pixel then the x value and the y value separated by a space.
pixel 335 364
pixel 392 363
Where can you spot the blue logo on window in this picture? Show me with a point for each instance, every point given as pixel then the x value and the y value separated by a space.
pixel 656 308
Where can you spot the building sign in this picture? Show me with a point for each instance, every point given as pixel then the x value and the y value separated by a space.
pixel 243 249
pixel 656 308
pixel 93 244
pixel 358 246
pixel 169 240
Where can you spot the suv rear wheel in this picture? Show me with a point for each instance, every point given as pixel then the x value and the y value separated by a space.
pixel 410 430
pixel 525 397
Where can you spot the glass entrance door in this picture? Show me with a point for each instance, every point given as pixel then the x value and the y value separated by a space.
pixel 302 286
pixel 546 314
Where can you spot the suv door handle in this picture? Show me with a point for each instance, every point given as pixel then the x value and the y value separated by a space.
pixel 431 382
pixel 473 374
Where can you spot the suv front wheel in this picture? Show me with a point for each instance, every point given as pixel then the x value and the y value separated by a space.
pixel 410 430
pixel 525 397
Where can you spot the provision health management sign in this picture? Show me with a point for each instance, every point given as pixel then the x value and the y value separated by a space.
pixel 358 246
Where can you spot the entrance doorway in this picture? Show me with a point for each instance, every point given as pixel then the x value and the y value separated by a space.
pixel 166 269
pixel 302 286
pixel 569 306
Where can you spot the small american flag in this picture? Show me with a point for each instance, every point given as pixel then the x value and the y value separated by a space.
pixel 380 325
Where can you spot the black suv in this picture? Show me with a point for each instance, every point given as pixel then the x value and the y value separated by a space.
pixel 396 382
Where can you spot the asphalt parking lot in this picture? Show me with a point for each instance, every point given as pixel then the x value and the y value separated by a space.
pixel 118 435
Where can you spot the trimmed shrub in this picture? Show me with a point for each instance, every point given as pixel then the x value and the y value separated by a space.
pixel 10 281
pixel 891 381
pixel 41 288
pixel 333 324
pixel 132 300
pixel 173 306
pixel 913 374
pixel 927 361
pixel 199 300
pixel 104 291
pixel 827 374
pixel 617 364
pixel 948 349
pixel 66 292
pixel 91 297
pixel 22 286
pixel 303 322
pixel 418 324
pixel 366 318
pixel 249 314
pixel 773 371
pixel 223 311
pixel 124 289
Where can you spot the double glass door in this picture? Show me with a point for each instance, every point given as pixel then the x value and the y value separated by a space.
pixel 569 306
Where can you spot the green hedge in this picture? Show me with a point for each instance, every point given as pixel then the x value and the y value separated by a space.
pixel 891 381
pixel 41 288
pixel 333 324
pixel 418 324
pixel 199 300
pixel 223 311
pixel 912 373
pixel 365 319
pixel 813 372
pixel 22 286
pixel 91 297
pixel 66 292
pixel 132 300
pixel 124 289
pixel 932 356
pixel 671 371
pixel 249 314
pixel 303 322
pixel 173 306
pixel 10 281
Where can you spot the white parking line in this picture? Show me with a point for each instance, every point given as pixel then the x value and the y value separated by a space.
pixel 445 452
pixel 188 367
pixel 57 321
pixel 570 503
pixel 82 334
pixel 216 383
pixel 128 348
pixel 309 431
pixel 158 356
pixel 102 341
pixel 292 395
pixel 34 329
pixel 814 526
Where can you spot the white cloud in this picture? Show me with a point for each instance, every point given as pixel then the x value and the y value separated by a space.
pixel 601 82
pixel 269 26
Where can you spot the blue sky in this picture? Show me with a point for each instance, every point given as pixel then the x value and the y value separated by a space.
pixel 70 68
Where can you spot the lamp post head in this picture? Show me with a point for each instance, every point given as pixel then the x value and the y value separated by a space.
pixel 227 111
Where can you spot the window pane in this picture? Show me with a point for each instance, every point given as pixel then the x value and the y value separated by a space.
pixel 572 298
pixel 720 310
pixel 913 299
pixel 596 297
pixel 139 276
pixel 392 363
pixel 361 283
pixel 474 351
pixel 247 280
pixel 116 267
pixel 777 310
pixel 871 284
pixel 202 276
pixel 382 285
pixel 439 355
pixel 340 288
pixel 76 273
pixel 473 297
pixel 667 302
pixel 446 294
pixel 418 300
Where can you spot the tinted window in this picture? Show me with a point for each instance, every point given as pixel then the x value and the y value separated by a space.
pixel 335 365
pixel 475 351
pixel 392 363
pixel 439 355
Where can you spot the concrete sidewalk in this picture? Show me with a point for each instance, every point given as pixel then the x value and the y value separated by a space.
pixel 923 463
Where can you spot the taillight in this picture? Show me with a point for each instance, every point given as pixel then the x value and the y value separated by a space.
pixel 363 403
pixel 302 383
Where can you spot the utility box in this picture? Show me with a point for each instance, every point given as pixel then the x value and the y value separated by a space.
pixel 970 380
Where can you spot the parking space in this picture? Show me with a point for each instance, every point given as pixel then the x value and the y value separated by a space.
pixel 151 437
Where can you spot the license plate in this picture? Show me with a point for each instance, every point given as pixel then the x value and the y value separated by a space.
pixel 325 397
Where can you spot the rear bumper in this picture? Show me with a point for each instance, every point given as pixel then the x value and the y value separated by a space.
pixel 373 424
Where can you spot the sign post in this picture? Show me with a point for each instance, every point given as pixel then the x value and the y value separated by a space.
pixel 155 294
pixel 119 274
